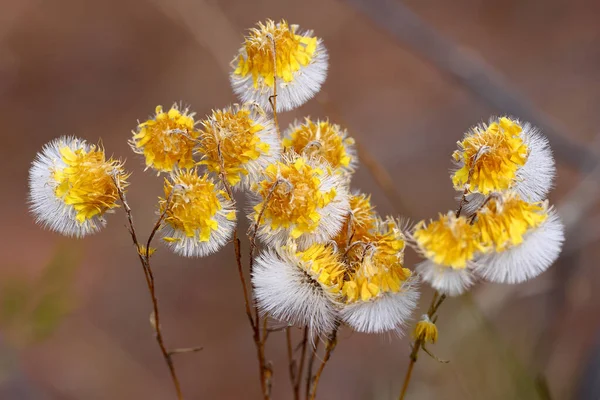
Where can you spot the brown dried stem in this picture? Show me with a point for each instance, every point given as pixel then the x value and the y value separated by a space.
pixel 331 343
pixel 309 372
pixel 145 261
pixel 436 302
pixel 301 366
pixel 254 322
pixel 273 98
pixel 296 370
pixel 291 362
pixel 185 350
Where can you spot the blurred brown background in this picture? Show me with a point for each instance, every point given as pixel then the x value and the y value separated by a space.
pixel 74 314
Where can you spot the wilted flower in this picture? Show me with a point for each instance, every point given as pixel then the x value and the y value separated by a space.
pixel 299 287
pixel 167 140
pixel 200 216
pixel 247 140
pixel 325 140
pixel 300 198
pixel 71 186
pixel 450 245
pixel 505 154
pixel 301 66
pixel 425 330
pixel 525 238
pixel 379 293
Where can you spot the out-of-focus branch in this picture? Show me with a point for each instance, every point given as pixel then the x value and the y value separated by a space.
pixel 472 73
pixel 380 174
pixel 583 196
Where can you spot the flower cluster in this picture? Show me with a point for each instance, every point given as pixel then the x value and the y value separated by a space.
pixel 281 55
pixel 504 230
pixel 326 256
pixel 72 186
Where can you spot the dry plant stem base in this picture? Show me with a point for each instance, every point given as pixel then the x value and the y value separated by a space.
pixel 145 261
pixel 254 321
pixel 311 364
pixel 331 343
pixel 436 302
pixel 301 367
pixel 296 370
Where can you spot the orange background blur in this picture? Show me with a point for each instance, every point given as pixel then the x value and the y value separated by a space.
pixel 94 68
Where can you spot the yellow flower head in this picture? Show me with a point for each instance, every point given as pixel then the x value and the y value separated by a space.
pixel 301 61
pixel 377 267
pixel 490 156
pixel 359 223
pixel 299 286
pixel 525 238
pixel 72 186
pixel 323 139
pixel 199 217
pixel 247 139
pixel 293 52
pixel 300 198
pixel 426 331
pixel 448 241
pixel 166 141
pixel 323 264
pixel 504 221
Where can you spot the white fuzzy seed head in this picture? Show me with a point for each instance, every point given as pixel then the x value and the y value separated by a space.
pixel 71 186
pixel 299 287
pixel 324 140
pixel 242 139
pixel 388 312
pixel 301 60
pixel 504 154
pixel 446 280
pixel 200 217
pixel 301 198
pixel 523 238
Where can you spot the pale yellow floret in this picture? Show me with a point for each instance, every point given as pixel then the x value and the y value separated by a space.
pixel 194 204
pixel 86 182
pixel 490 157
pixel 167 140
pixel 504 221
pixel 377 268
pixel 323 139
pixel 237 134
pixel 372 278
pixel 448 241
pixel 426 331
pixel 389 242
pixel 324 265
pixel 360 222
pixel 296 200
pixel 293 51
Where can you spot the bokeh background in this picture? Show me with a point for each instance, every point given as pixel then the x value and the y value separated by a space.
pixel 407 79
